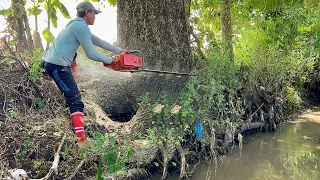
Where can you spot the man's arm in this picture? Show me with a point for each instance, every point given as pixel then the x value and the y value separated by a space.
pixel 83 34
pixel 105 45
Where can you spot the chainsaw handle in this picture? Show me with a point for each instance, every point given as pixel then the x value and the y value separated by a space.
pixel 135 52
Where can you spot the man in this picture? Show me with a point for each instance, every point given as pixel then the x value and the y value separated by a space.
pixel 59 57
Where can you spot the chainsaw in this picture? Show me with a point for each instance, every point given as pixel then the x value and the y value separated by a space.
pixel 131 62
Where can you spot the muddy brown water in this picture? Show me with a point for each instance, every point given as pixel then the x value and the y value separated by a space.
pixel 290 153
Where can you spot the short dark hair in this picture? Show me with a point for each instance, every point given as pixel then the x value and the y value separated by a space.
pixel 82 13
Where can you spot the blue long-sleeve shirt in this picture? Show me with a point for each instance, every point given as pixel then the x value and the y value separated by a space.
pixel 77 33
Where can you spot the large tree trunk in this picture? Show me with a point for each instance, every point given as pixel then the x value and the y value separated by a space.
pixel 158 29
pixel 226 28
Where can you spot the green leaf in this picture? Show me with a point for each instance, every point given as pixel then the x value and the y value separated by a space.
pixel 45 5
pixel 99 174
pixel 113 2
pixel 6 68
pixel 64 11
pixel 32 78
pixel 48 36
pixel 6 12
pixel 34 10
pixel 112 140
pixel 40 103
pixel 130 153
pixel 53 17
pixel 99 139
pixel 12 42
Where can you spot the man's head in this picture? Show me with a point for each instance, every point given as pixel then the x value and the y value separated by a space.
pixel 86 11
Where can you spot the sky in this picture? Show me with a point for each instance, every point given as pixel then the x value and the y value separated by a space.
pixel 105 25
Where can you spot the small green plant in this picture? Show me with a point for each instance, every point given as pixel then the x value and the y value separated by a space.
pixel 205 97
pixel 37 164
pixel 12 113
pixel 27 143
pixel 36 71
pixel 293 98
pixel 111 155
pixel 39 103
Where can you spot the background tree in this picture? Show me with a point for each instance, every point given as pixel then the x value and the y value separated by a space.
pixel 51 8
pixel 18 25
pixel 226 28
pixel 35 10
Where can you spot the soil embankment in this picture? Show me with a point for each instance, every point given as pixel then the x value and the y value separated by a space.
pixel 34 121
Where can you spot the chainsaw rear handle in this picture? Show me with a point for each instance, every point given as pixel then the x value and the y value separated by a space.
pixel 126 61
pixel 135 52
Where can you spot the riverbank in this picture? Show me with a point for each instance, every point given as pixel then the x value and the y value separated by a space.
pixel 33 129
pixel 290 152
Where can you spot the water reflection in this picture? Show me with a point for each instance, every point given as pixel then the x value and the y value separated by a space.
pixel 293 152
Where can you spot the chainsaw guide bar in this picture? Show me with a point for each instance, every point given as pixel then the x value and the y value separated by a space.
pixel 130 62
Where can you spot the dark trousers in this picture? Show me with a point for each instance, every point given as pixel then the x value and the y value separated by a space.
pixel 64 79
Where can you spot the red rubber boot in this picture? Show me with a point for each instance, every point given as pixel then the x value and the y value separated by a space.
pixel 77 121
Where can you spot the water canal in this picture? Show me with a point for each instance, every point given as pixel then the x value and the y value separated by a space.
pixel 292 152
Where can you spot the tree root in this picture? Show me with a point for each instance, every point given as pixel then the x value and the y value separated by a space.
pixel 247 126
pixel 77 169
pixel 139 122
pixel 240 139
pixel 213 142
pixel 54 167
pixel 165 162
pixel 184 164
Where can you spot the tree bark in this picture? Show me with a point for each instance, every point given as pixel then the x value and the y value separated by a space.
pixel 19 29
pixel 28 31
pixel 48 22
pixel 158 29
pixel 226 27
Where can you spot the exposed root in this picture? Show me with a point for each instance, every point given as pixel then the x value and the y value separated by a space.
pixel 208 175
pixel 54 167
pixel 247 126
pixel 213 142
pixel 139 122
pixel 165 162
pixel 184 164
pixel 229 135
pixel 255 112
pixel 76 170
pixel 212 148
pixel 240 139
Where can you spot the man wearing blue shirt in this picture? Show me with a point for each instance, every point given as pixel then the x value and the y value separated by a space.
pixel 58 59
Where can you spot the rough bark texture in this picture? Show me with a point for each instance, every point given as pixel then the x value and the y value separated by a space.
pixel 37 40
pixel 48 21
pixel 226 28
pixel 20 35
pixel 28 31
pixel 158 29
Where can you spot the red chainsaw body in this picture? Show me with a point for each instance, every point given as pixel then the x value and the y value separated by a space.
pixel 126 62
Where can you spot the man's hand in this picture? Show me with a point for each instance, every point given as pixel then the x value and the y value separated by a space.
pixel 124 51
pixel 115 60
